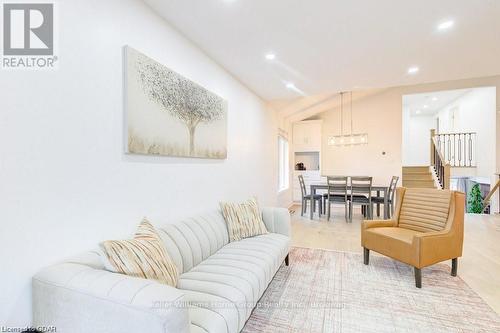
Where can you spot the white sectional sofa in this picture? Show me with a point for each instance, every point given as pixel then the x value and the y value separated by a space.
pixel 217 290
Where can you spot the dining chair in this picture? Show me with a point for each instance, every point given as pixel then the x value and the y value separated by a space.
pixel 336 193
pixel 391 191
pixel 361 194
pixel 309 197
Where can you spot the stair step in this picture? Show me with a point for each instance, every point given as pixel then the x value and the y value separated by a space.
pixel 419 183
pixel 418 176
pixel 416 172
pixel 413 170
pixel 423 167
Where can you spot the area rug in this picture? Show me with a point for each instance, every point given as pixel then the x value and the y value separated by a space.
pixel 328 291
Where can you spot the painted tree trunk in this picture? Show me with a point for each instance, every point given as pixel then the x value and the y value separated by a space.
pixel 192 130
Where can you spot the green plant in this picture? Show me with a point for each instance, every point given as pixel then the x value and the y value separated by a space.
pixel 475 200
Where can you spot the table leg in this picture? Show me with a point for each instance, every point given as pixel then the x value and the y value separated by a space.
pixel 378 206
pixel 313 193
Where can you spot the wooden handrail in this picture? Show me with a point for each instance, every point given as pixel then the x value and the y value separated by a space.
pixel 438 162
pixel 486 201
pixel 440 153
pixel 451 133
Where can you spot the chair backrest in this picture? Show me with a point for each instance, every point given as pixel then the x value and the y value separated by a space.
pixel 424 209
pixel 392 188
pixel 337 185
pixel 302 186
pixel 361 185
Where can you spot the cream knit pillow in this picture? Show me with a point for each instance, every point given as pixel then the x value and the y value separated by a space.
pixel 144 256
pixel 243 219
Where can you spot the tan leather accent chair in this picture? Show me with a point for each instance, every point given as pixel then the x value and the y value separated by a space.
pixel 427 228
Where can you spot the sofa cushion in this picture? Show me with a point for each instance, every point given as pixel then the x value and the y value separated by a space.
pixel 243 219
pixel 144 256
pixel 425 210
pixel 226 286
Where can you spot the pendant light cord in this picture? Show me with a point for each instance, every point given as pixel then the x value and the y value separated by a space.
pixel 351 113
pixel 341 113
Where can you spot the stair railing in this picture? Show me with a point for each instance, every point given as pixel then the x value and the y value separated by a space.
pixel 486 202
pixel 439 163
pixel 458 149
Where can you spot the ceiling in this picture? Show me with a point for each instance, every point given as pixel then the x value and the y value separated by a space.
pixel 430 103
pixel 325 46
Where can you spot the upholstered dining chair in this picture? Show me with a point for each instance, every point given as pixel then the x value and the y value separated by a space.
pixel 427 228
pixel 336 193
pixel 391 192
pixel 361 194
pixel 309 197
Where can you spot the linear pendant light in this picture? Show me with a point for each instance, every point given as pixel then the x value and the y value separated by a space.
pixel 351 139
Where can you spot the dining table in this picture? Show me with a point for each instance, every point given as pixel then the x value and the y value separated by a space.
pixel 380 189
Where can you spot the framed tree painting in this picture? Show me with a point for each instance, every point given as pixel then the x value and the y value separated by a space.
pixel 168 114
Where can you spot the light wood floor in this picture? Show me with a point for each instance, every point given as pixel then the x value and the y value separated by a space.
pixel 479 267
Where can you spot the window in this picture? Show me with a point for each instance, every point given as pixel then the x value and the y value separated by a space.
pixel 283 181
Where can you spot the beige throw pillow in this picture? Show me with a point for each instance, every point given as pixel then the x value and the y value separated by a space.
pixel 144 256
pixel 243 219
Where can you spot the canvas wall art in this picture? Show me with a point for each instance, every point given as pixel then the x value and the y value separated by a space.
pixel 168 114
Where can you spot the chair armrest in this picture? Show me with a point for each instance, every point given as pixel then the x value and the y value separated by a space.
pixel 77 298
pixel 277 220
pixel 434 247
pixel 368 224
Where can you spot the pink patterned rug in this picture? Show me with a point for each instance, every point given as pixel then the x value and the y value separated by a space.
pixel 328 291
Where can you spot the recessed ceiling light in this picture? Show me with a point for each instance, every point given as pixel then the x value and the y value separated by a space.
pixel 445 25
pixel 413 70
pixel 434 99
pixel 418 112
pixel 426 106
pixel 270 56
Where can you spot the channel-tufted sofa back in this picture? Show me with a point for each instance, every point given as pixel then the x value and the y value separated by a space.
pixel 191 241
pixel 425 210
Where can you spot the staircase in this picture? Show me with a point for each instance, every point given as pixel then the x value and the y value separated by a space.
pixel 418 177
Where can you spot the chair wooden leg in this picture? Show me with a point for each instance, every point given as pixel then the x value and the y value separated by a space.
pixel 418 277
pixel 287 260
pixel 454 266
pixel 302 209
pixel 328 211
pixel 346 211
pixel 366 256
pixel 378 209
pixel 350 212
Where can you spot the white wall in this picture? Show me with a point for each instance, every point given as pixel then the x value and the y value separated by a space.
pixel 380 115
pixel 373 115
pixel 65 183
pixel 416 138
pixel 474 112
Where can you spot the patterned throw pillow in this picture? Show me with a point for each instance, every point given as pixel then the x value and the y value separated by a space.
pixel 144 256
pixel 243 219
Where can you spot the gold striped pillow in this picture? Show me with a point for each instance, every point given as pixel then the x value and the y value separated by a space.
pixel 243 219
pixel 144 256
